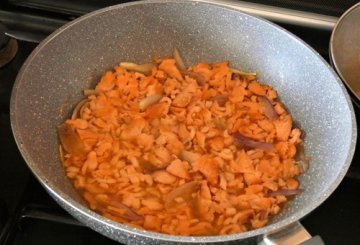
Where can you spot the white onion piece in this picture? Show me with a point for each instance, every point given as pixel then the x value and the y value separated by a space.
pixel 150 100
pixel 179 61
pixel 243 73
pixel 143 68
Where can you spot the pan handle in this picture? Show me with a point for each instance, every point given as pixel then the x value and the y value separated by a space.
pixel 292 234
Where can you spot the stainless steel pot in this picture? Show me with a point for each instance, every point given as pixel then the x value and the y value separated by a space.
pixel 51 81
pixel 345 50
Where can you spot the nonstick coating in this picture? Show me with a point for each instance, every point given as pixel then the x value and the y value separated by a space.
pixel 51 81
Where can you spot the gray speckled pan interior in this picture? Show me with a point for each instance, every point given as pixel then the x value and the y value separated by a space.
pixel 73 58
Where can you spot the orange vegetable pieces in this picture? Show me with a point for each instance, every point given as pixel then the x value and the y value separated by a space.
pixel 169 66
pixel 156 111
pixel 152 222
pixel 238 94
pixel 182 100
pixel 283 127
pixel 256 88
pixel 208 167
pixel 242 164
pixel 107 82
pixel 179 168
pixel 204 150
pixel 164 177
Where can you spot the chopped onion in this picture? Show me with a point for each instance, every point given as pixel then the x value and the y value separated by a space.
pixel 220 123
pixel 179 61
pixel 130 214
pixel 264 214
pixel 88 92
pixel 303 164
pixel 200 79
pixel 184 191
pixel 242 140
pixel 148 101
pixel 269 109
pixel 77 108
pixel 236 71
pixel 143 68
pixel 147 166
pixel 301 160
pixel 285 192
pixel 221 99
pixel 70 140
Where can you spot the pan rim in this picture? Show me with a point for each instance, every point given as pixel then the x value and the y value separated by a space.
pixel 86 212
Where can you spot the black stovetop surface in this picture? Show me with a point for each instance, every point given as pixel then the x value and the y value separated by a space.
pixel 28 215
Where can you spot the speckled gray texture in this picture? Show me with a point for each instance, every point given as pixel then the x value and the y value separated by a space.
pixel 73 58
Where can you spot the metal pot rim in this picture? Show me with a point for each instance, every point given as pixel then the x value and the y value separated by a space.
pixel 355 97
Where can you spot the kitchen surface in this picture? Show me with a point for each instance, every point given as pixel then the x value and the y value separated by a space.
pixel 28 215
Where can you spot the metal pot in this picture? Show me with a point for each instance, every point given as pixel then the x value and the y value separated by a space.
pixel 51 81
pixel 345 50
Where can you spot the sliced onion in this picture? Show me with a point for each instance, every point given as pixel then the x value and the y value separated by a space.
pixel 76 111
pixel 301 160
pixel 221 99
pixel 150 100
pixel 143 68
pixel 184 191
pixel 88 92
pixel 285 192
pixel 236 71
pixel 303 164
pixel 269 109
pixel 147 166
pixel 220 123
pixel 130 214
pixel 179 61
pixel 70 140
pixel 242 140
pixel 264 214
pixel 200 79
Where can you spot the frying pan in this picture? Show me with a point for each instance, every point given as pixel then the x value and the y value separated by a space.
pixel 53 77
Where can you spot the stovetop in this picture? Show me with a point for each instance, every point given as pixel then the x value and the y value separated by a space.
pixel 28 215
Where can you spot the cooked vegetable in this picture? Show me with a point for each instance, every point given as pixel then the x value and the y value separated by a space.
pixel 179 61
pixel 269 109
pixel 236 71
pixel 143 68
pixel 285 192
pixel 199 150
pixel 148 101
pixel 248 142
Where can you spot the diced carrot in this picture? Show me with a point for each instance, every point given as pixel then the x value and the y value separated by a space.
pixel 208 167
pixel 256 88
pixel 283 127
pixel 242 164
pixel 107 82
pixel 168 65
pixel 179 168
pixel 154 146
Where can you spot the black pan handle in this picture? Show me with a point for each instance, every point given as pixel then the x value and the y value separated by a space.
pixel 294 234
pixel 25 36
